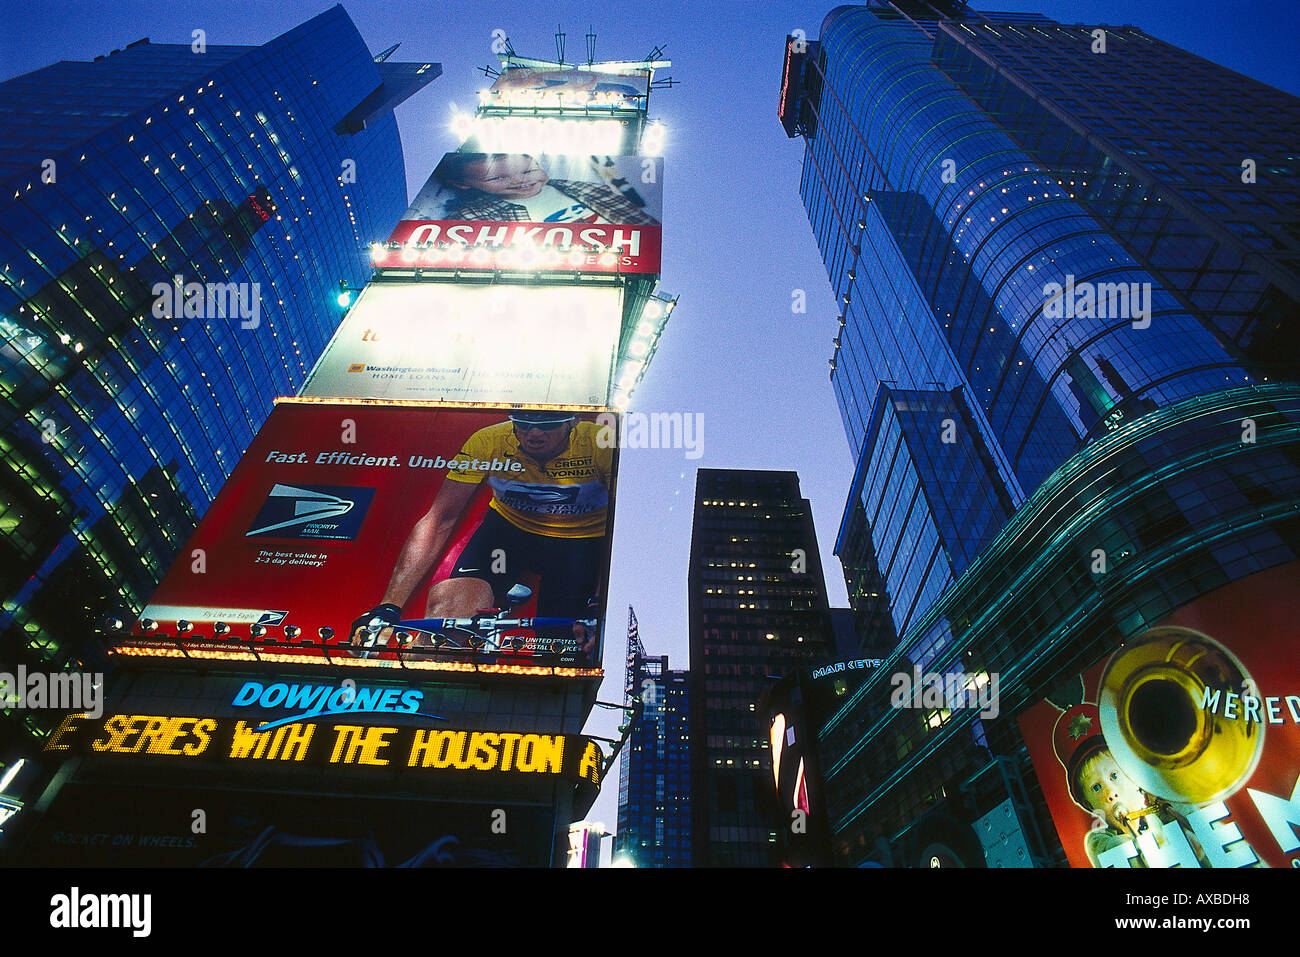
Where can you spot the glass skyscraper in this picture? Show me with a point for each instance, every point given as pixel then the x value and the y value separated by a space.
pixel 1067 368
pixel 266 167
pixel 758 611
pixel 654 785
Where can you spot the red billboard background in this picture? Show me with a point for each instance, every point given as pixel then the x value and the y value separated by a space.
pixel 1254 620
pixel 307 531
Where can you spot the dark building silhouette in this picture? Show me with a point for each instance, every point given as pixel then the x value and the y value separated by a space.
pixel 758 611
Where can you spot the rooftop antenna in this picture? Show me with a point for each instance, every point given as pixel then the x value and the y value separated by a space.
pixel 656 53
pixel 559 42
pixel 591 45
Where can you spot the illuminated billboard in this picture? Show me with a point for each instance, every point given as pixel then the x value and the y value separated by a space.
pixel 790 107
pixel 451 534
pixel 516 211
pixel 1182 748
pixel 559 87
pixel 458 342
pixel 793 709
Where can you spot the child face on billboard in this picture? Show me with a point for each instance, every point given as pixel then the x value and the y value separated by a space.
pixel 513 176
pixel 1108 789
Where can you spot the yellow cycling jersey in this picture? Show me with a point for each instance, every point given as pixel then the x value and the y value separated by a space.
pixel 565 498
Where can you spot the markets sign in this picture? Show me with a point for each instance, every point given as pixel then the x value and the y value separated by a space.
pixel 852 664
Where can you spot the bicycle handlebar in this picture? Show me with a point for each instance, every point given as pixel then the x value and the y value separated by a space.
pixel 496 624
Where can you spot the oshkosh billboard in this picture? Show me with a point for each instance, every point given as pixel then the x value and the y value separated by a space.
pixel 528 213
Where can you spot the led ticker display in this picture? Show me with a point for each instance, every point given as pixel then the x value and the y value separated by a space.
pixel 1182 748
pixel 533 213
pixel 488 526
pixel 450 342
pixel 182 739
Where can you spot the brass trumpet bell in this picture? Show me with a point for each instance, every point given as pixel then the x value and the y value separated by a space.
pixel 1162 701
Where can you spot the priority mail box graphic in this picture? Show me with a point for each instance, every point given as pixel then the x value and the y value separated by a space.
pixel 312 511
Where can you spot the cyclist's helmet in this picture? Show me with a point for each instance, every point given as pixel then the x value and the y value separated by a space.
pixel 542 417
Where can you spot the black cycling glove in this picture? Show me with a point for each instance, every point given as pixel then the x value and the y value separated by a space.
pixel 388 614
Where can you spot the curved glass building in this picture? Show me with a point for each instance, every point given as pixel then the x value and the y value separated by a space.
pixel 254 175
pixel 1067 365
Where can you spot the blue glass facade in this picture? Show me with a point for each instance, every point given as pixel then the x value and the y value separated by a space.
pixel 920 443
pixel 654 785
pixel 965 177
pixel 122 415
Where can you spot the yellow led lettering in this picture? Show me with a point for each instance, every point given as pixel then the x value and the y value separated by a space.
pixel 540 753
pixel 508 756
pixel 246 739
pixel 452 750
pixel 168 735
pixel 282 733
pixel 354 744
pixel 184 736
pixel 342 734
pixel 524 753
pixel 549 754
pixel 296 741
pixel 537 753
pixel 202 730
pixel 422 749
pixel 115 731
pixel 591 761
pixel 148 740
pixel 485 750
pixel 464 760
pixel 65 726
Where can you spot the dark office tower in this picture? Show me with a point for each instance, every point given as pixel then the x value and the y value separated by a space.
pixel 256 173
pixel 654 783
pixel 758 611
pixel 1068 261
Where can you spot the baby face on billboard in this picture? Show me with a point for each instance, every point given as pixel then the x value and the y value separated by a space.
pixel 512 175
pixel 1109 790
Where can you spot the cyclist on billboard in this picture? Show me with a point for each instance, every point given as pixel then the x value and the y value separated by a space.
pixel 550 482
